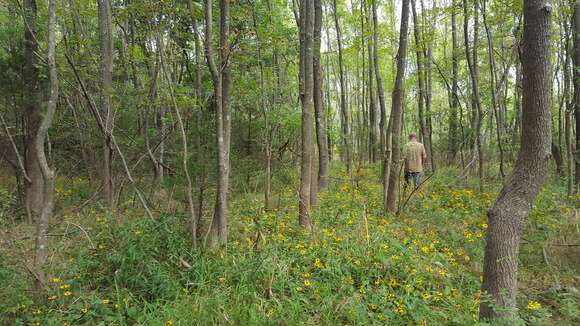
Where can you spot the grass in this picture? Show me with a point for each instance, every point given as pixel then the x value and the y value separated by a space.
pixel 358 266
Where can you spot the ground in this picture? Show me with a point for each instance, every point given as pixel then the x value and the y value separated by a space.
pixel 358 266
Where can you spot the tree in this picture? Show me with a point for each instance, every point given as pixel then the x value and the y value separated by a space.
pixel 509 213
pixel 344 114
pixel 473 74
pixel 221 79
pixel 576 59
pixel 34 183
pixel 397 111
pixel 454 98
pixel 106 84
pixel 48 174
pixel 318 100
pixel 306 26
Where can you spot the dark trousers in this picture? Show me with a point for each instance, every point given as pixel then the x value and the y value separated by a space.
pixel 416 176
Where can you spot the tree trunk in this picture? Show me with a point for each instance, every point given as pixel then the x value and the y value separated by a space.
pixel 384 131
pixel 454 103
pixel 106 48
pixel 344 115
pixel 421 81
pixel 318 101
pixel 221 83
pixel 509 213
pixel 306 27
pixel 492 83
pixel 576 33
pixel 397 111
pixel 373 121
pixel 428 86
pixel 33 188
pixel 48 175
pixel 476 101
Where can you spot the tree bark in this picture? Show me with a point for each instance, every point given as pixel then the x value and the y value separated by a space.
pixel 454 103
pixel 34 188
pixel 106 49
pixel 476 101
pixel 318 101
pixel 576 33
pixel 306 26
pixel 221 84
pixel 344 114
pixel 509 213
pixel 421 81
pixel 48 175
pixel 397 111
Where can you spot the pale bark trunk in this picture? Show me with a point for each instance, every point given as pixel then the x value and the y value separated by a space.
pixel 509 213
pixel 576 57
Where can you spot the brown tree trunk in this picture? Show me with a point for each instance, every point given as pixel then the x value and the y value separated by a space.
pixel 344 115
pixel 397 111
pixel 421 81
pixel 318 101
pixel 476 101
pixel 384 131
pixel 576 33
pixel 106 48
pixel 48 175
pixel 492 83
pixel 509 213
pixel 454 102
pixel 373 121
pixel 221 83
pixel 33 188
pixel 306 26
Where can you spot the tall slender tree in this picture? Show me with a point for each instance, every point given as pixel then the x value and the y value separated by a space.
pixel 396 123
pixel 34 183
pixel 306 26
pixel 318 100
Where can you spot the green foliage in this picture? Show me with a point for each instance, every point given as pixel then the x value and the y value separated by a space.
pixel 358 266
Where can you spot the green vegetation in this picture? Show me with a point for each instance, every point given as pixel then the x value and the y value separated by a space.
pixel 358 266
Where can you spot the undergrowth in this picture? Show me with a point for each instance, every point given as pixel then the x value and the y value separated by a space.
pixel 358 266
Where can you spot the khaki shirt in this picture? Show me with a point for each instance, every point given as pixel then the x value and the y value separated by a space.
pixel 414 154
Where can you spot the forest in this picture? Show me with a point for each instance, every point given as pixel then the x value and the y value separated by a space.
pixel 289 162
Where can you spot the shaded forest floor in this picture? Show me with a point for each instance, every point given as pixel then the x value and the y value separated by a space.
pixel 357 267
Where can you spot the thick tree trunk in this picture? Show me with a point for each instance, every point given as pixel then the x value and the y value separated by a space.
pixel 306 26
pixel 397 111
pixel 106 48
pixel 318 101
pixel 33 188
pixel 509 213
pixel 48 175
pixel 454 101
pixel 344 115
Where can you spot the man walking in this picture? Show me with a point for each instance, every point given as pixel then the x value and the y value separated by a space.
pixel 414 155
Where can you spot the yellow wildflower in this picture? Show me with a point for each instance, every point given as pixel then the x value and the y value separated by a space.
pixel 84 310
pixel 106 301
pixel 534 305
pixel 318 263
pixel 307 282
pixel 67 293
